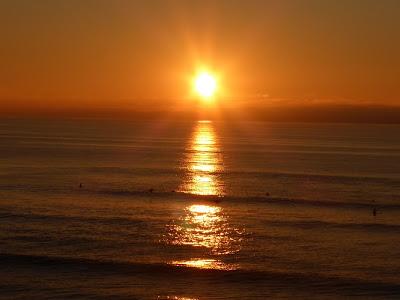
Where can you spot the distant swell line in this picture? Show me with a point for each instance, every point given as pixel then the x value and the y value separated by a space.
pixel 121 221
pixel 335 225
pixel 247 199
pixel 155 194
pixel 254 173
pixel 311 280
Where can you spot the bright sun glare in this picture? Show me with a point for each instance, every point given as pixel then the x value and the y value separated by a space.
pixel 205 85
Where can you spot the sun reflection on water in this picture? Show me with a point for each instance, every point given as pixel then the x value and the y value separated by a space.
pixel 204 226
pixel 203 162
pixel 174 298
pixel 205 264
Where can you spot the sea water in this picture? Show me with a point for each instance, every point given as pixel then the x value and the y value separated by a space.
pixel 102 209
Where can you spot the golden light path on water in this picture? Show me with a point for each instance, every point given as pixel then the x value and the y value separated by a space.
pixel 174 298
pixel 203 225
pixel 203 162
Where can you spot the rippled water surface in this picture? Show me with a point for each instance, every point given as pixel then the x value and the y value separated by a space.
pixel 198 210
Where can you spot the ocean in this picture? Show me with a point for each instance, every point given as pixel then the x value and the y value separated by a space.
pixel 185 210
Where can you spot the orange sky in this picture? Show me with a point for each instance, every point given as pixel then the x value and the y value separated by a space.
pixel 140 55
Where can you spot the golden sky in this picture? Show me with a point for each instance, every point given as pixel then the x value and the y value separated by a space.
pixel 142 54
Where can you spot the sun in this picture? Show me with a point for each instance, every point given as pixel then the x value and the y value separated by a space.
pixel 205 85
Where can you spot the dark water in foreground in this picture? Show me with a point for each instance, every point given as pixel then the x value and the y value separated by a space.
pixel 198 210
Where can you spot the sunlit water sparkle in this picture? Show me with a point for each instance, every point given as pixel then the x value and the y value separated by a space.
pixel 204 225
pixel 313 237
pixel 203 162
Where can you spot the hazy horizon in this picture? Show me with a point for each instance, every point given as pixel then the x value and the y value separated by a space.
pixel 83 57
pixel 378 114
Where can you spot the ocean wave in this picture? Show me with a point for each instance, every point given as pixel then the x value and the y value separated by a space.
pixel 32 217
pixel 329 284
pixel 154 194
pixel 389 179
pixel 246 199
pixel 130 221
pixel 378 227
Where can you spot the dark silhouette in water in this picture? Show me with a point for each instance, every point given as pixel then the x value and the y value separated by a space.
pixel 80 185
pixel 374 211
pixel 151 190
